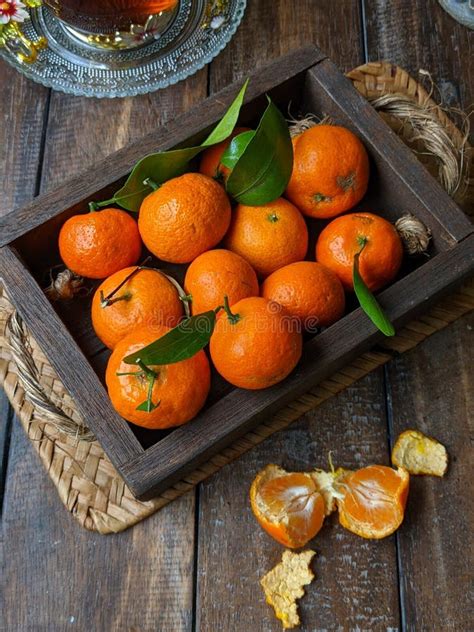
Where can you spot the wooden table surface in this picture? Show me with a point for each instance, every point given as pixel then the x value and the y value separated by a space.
pixel 195 565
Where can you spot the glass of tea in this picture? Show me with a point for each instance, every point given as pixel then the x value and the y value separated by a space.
pixel 114 24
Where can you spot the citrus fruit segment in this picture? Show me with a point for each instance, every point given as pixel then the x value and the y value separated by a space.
pixel 97 244
pixel 283 585
pixel 420 454
pixel 330 171
pixel 373 501
pixel 372 236
pixel 146 298
pixel 178 392
pixel 287 505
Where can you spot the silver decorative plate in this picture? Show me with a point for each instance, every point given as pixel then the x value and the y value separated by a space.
pixel 190 42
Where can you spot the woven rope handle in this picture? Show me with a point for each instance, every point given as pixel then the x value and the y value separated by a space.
pixel 29 376
pixel 425 127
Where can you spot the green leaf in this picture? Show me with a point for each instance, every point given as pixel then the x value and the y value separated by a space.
pixel 264 169
pixel 236 148
pixel 226 125
pixel 368 302
pixel 165 165
pixel 181 343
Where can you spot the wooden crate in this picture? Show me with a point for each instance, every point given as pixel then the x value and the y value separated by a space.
pixel 306 80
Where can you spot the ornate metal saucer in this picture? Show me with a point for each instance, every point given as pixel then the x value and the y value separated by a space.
pixel 198 31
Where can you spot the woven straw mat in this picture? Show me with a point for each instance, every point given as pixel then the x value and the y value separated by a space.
pixel 87 483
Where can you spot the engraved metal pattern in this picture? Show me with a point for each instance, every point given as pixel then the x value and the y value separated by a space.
pixel 190 42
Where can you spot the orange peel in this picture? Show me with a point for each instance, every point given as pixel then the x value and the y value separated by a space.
pixel 283 585
pixel 420 454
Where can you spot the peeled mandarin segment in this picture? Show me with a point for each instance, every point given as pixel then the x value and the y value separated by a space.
pixel 283 585
pixel 374 501
pixel 420 454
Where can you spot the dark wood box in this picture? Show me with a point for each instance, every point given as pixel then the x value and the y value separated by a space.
pixel 308 82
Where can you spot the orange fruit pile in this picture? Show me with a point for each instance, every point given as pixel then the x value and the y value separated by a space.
pixel 257 340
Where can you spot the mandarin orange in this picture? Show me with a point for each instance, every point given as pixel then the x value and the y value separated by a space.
pixel 256 347
pixel 179 390
pixel 308 291
pixel 219 273
pixel 287 505
pixel 374 237
pixel 185 217
pixel 330 171
pixel 268 236
pixel 146 298
pixel 97 244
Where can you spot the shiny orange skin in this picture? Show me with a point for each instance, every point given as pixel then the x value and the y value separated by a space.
pixel 211 157
pixel 219 273
pixel 260 349
pixel 294 498
pixel 330 171
pixel 380 258
pixel 181 388
pixel 308 291
pixel 149 299
pixel 185 217
pixel 373 505
pixel 97 244
pixel 269 236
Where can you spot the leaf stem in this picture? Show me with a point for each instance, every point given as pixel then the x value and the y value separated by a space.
pixel 148 182
pixel 105 301
pixel 95 206
pixel 233 318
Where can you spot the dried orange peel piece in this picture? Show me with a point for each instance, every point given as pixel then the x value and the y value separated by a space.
pixel 287 505
pixel 373 501
pixel 283 585
pixel 420 454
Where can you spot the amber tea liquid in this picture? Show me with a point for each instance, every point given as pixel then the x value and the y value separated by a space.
pixel 106 16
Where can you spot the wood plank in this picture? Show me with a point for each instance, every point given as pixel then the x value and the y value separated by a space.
pixel 431 390
pixel 420 35
pixel 58 576
pixel 137 580
pixel 429 386
pixel 356 580
pixel 233 551
pixel 24 106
